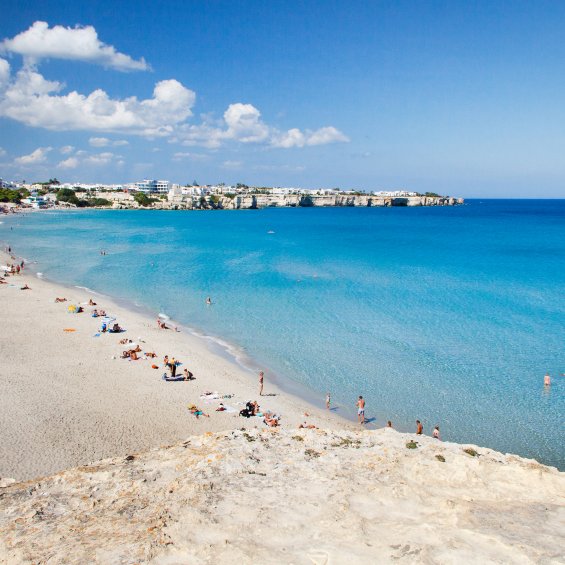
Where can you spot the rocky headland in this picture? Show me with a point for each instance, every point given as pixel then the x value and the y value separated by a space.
pixel 291 496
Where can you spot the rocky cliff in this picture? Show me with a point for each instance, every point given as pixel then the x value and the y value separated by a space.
pixel 284 496
pixel 256 201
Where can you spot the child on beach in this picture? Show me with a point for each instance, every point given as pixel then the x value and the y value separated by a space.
pixel 361 410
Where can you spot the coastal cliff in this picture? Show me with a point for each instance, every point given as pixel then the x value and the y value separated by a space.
pixel 283 496
pixel 257 201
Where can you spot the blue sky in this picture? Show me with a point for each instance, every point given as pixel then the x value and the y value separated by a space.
pixel 461 98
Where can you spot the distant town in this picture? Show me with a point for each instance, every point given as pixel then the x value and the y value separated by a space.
pixel 163 194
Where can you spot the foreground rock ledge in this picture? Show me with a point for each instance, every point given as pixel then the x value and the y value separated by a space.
pixel 282 496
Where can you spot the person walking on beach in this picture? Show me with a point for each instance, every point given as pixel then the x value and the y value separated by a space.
pixel 173 366
pixel 261 379
pixel 419 428
pixel 361 410
pixel 328 400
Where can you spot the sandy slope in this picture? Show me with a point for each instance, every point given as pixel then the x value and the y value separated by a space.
pixel 283 496
pixel 67 401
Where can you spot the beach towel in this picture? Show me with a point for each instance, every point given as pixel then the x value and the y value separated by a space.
pixel 210 396
pixel 69 329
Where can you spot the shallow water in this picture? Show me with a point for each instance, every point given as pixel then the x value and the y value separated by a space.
pixel 450 315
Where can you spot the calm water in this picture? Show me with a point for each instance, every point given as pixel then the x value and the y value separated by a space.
pixel 449 315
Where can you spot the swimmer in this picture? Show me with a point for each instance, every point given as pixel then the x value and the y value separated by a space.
pixel 547 380
pixel 208 301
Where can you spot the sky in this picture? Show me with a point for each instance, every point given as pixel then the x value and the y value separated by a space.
pixel 460 98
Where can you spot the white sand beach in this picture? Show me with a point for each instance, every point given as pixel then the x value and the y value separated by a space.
pixel 69 399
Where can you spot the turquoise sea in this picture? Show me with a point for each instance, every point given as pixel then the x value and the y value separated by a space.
pixel 450 315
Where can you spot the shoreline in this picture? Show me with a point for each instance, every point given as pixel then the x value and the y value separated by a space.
pixel 70 409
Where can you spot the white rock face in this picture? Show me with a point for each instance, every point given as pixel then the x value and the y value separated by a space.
pixel 253 201
pixel 282 496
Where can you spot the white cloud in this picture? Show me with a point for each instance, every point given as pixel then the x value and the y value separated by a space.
pixel 232 164
pixel 35 157
pixel 99 141
pixel 243 123
pixel 30 99
pixel 105 142
pixel 291 138
pixel 326 135
pixel 99 159
pixel 2 152
pixel 77 44
pixel 181 155
pixel 66 149
pixel 70 163
pixel 295 138
pixel 4 72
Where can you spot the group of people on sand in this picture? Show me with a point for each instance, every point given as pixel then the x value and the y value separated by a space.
pixel 13 269
pixel 172 365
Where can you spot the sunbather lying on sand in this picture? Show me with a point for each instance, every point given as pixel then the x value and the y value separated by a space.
pixel 196 411
pixel 25 287
pixel 60 299
pixel 130 354
pixel 308 426
pixel 272 420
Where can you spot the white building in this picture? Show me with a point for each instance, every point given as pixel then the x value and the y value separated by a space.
pixel 148 185
pixel 34 201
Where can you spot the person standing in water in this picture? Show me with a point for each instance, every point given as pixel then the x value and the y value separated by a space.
pixel 436 433
pixel 328 400
pixel 208 301
pixel 361 410
pixel 547 380
pixel 261 379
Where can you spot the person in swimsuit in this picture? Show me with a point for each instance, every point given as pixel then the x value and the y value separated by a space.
pixel 436 432
pixel 261 378
pixel 547 380
pixel 328 400
pixel 361 410
pixel 419 428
